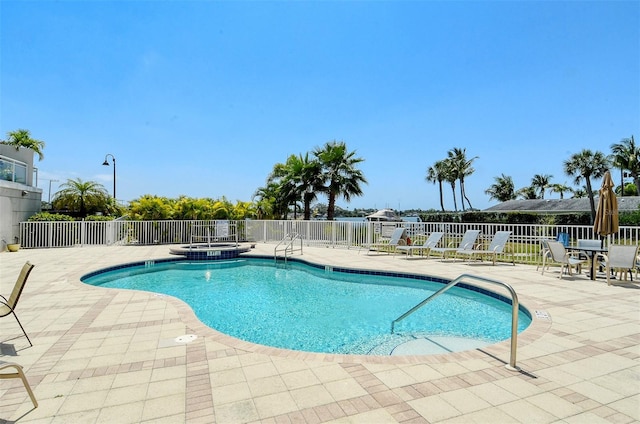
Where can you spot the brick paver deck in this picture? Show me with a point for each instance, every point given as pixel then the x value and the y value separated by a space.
pixel 103 355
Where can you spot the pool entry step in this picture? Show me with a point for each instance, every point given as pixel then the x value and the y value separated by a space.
pixel 419 344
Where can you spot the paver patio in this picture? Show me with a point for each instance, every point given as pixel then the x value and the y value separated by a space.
pixel 103 355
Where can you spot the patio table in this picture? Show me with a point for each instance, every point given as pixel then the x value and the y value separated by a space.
pixel 591 253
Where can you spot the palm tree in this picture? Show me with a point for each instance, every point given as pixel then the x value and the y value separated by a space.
pixel 22 138
pixel 306 179
pixel 502 190
pixel 626 155
pixel 284 189
pixel 463 169
pixel 586 165
pixel 579 193
pixel 561 189
pixel 450 174
pixel 342 176
pixel 81 196
pixel 269 202
pixel 436 174
pixel 541 183
pixel 527 193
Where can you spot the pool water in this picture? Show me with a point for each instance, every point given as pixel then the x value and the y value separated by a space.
pixel 299 307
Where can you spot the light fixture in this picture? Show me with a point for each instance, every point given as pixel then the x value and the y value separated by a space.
pixel 106 163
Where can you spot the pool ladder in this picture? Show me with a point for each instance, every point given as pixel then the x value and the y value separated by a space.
pixel 287 245
pixel 514 311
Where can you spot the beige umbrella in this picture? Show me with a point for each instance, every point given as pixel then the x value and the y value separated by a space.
pixel 606 222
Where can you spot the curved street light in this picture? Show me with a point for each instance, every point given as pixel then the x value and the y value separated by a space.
pixel 106 163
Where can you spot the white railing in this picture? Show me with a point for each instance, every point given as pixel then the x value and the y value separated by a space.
pixel 525 239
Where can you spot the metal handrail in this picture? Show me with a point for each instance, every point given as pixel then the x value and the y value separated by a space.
pixel 514 311
pixel 291 238
pixel 206 238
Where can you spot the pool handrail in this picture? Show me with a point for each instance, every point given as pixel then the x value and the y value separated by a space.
pixel 288 247
pixel 514 311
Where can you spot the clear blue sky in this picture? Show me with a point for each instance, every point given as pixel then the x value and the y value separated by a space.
pixel 202 98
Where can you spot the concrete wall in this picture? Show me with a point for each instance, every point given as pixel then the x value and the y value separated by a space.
pixel 17 201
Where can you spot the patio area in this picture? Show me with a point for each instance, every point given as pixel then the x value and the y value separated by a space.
pixel 103 355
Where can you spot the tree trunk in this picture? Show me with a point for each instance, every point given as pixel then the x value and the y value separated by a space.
pixel 465 196
pixel 307 206
pixel 455 203
pixel 591 201
pixel 331 206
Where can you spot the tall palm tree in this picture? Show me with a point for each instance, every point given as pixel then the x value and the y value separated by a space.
pixel 541 183
pixel 81 196
pixel 463 168
pixel 342 176
pixel 436 174
pixel 586 165
pixel 502 190
pixel 22 138
pixel 626 156
pixel 450 174
pixel 285 190
pixel 306 178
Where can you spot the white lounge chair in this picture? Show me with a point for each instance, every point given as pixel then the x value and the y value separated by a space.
pixel 620 258
pixel 398 238
pixel 424 249
pixel 496 247
pixel 468 242
pixel 558 253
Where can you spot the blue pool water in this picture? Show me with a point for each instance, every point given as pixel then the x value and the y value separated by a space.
pixel 313 309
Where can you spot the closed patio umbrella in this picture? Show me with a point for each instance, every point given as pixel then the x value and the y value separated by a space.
pixel 606 222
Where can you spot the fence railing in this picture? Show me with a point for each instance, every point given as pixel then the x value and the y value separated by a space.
pixel 524 240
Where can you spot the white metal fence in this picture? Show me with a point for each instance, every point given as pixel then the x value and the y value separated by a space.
pixel 343 234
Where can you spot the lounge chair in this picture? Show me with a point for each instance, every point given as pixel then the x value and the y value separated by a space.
pixel 431 242
pixel 17 374
pixel 398 237
pixel 557 253
pixel 8 306
pixel 468 242
pixel 620 258
pixel 496 247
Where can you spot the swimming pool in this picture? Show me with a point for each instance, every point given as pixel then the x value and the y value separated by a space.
pixel 314 308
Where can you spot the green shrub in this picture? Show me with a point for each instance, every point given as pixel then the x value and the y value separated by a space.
pixel 629 218
pixel 46 216
pixel 98 218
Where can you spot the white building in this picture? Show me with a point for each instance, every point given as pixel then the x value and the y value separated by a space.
pixel 19 196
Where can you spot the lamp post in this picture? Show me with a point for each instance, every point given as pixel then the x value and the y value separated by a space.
pixel 106 163
pixel 51 181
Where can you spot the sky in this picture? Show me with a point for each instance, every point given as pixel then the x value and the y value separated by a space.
pixel 203 98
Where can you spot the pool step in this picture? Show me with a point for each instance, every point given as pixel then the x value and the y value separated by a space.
pixel 434 345
pixel 417 344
